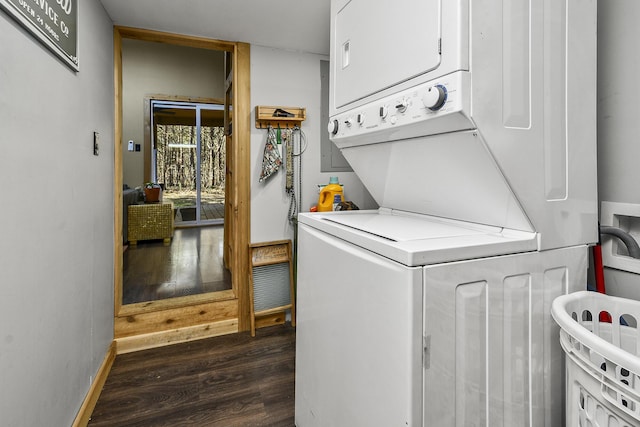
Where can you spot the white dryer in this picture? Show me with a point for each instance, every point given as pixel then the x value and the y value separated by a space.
pixel 472 124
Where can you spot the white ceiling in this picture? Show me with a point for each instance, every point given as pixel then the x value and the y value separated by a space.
pixel 301 25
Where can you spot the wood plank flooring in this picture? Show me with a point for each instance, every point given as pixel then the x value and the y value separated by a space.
pixel 191 264
pixel 228 381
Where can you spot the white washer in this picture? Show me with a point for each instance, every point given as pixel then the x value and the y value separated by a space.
pixel 382 342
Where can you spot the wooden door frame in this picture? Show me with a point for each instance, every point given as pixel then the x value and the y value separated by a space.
pixel 146 325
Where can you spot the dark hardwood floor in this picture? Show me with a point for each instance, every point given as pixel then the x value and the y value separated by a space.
pixel 191 264
pixel 228 381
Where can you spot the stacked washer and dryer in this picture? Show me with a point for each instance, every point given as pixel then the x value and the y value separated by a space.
pixel 472 124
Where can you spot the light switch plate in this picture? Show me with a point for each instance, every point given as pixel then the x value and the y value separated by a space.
pixel 96 143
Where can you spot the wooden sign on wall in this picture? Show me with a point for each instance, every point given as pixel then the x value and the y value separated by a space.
pixel 53 22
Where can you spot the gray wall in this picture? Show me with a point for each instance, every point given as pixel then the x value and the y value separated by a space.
pixel 291 79
pixel 619 124
pixel 618 94
pixel 56 249
pixel 161 69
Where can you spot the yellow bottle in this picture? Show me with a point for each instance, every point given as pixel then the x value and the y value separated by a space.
pixel 328 193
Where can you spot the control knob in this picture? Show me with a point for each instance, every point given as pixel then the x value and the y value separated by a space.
pixel 360 119
pixel 402 105
pixel 333 127
pixel 435 97
pixel 349 121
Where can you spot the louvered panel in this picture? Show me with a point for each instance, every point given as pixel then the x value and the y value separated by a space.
pixel 271 287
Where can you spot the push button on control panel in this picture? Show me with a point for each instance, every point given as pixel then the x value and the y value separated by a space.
pixel 384 112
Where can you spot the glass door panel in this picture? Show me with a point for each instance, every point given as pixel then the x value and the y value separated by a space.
pixel 175 157
pixel 188 159
pixel 212 165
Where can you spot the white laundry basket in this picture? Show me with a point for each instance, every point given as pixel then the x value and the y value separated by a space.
pixel 603 363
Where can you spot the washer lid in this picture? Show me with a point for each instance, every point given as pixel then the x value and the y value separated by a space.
pixel 402 228
pixel 414 240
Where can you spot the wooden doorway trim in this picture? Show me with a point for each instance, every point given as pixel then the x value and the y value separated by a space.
pixel 146 325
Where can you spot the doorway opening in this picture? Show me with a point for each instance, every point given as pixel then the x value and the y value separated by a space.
pixel 183 318
pixel 187 157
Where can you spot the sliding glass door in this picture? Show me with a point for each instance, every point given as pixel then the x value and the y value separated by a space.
pixel 188 159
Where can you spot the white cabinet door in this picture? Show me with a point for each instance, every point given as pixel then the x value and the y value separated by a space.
pixel 493 353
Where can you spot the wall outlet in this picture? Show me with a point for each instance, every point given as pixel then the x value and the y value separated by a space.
pixel 96 143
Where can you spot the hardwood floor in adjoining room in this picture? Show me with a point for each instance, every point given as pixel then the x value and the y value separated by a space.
pixel 228 381
pixel 191 264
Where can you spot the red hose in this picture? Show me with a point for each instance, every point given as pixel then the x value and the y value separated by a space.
pixel 599 268
pixel 599 274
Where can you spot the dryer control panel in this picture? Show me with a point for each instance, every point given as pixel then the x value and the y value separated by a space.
pixel 437 106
